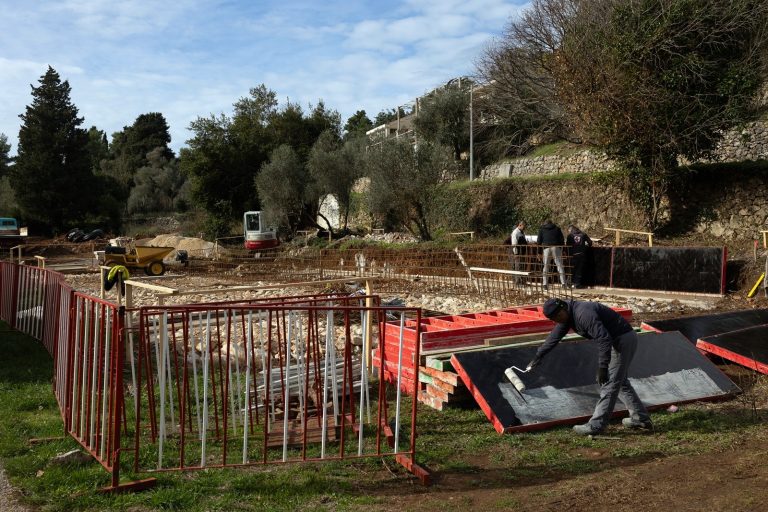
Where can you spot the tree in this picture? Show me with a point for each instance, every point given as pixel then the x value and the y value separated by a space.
pixel 648 81
pixel 444 117
pixel 98 147
pixel 52 175
pixel 149 131
pixel 7 199
pixel 131 145
pixel 291 126
pixel 5 159
pixel 334 168
pixel 159 186
pixel 224 156
pixel 517 100
pixel 281 185
pixel 403 179
pixel 357 125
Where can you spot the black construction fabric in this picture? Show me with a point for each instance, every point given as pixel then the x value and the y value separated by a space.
pixel 601 266
pixel 680 269
pixel 697 327
pixel 750 343
pixel 666 369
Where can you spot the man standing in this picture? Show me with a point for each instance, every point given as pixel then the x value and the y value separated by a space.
pixel 617 345
pixel 518 241
pixel 551 238
pixel 579 244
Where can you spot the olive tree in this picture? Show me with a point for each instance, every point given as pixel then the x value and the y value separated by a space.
pixel 281 185
pixel 335 167
pixel 650 82
pixel 403 179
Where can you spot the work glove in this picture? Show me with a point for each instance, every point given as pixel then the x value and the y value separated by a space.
pixel 533 364
pixel 602 376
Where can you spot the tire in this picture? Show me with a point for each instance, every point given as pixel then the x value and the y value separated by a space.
pixel 156 268
pixel 75 235
pixel 93 235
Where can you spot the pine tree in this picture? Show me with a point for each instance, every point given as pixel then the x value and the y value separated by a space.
pixel 52 176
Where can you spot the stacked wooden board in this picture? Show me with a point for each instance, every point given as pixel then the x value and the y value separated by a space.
pixel 441 386
pixel 444 335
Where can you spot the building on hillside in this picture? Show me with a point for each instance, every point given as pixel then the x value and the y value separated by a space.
pixel 400 127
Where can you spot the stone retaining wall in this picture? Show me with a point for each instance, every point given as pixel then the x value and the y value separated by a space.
pixel 747 143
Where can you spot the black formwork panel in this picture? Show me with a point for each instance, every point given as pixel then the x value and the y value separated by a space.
pixel 667 369
pixel 680 269
pixel 747 347
pixel 702 326
pixel 601 269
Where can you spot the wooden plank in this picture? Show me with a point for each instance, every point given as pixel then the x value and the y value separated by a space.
pixel 500 271
pixel 275 286
pixel 155 288
pixel 296 433
pixel 431 401
pixel 440 362
pixel 445 386
pixel 445 376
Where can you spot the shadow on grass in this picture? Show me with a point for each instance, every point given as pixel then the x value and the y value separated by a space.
pixel 555 455
pixel 24 359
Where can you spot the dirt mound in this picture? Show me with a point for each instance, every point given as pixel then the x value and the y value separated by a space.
pixel 196 247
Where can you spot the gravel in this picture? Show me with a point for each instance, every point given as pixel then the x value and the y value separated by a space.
pixel 8 495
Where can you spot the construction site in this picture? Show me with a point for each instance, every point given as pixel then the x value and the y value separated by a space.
pixel 195 355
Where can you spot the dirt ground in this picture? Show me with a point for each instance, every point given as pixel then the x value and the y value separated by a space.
pixel 734 479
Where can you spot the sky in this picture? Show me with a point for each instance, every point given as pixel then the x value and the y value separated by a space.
pixel 194 58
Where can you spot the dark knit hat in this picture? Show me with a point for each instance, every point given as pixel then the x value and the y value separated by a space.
pixel 552 306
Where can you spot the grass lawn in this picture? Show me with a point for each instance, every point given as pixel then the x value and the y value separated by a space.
pixel 455 445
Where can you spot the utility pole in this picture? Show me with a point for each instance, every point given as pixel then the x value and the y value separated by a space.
pixel 471 135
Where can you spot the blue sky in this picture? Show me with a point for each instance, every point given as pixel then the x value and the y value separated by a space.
pixel 193 58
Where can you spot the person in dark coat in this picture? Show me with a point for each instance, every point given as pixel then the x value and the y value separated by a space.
pixel 579 245
pixel 551 238
pixel 617 343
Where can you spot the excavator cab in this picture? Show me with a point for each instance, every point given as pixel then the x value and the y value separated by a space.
pixel 257 235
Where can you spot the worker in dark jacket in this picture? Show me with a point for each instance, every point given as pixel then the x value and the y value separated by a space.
pixel 617 343
pixel 551 238
pixel 579 244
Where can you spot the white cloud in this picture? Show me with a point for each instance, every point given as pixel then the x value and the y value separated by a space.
pixel 114 20
pixel 190 58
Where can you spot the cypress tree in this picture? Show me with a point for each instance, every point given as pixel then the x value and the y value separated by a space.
pixel 52 175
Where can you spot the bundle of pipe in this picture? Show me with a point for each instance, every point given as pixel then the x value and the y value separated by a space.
pixel 296 379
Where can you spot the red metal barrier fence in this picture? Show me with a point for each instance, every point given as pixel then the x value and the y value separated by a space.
pixel 271 380
pixel 266 382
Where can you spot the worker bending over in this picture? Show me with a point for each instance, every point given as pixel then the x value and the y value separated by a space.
pixel 617 343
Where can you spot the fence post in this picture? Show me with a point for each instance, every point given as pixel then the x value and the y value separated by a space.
pixel 118 409
pixel 15 295
pixel 117 394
